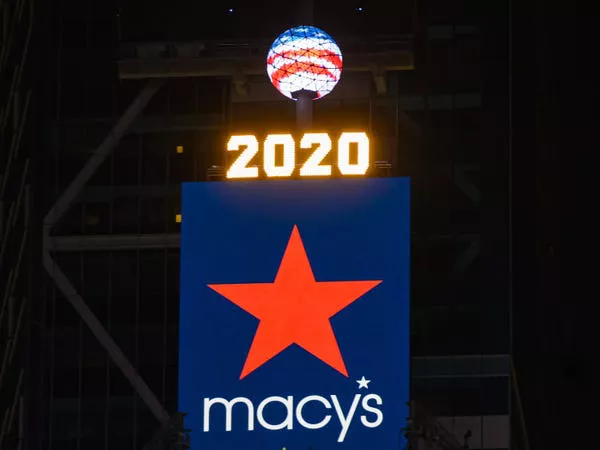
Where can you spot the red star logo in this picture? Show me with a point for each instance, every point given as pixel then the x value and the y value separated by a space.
pixel 294 309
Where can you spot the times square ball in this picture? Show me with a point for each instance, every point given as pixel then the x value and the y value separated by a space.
pixel 304 58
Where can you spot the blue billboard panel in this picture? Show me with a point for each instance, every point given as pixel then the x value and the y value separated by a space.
pixel 294 320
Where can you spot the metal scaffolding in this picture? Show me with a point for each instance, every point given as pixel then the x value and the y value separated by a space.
pixel 62 281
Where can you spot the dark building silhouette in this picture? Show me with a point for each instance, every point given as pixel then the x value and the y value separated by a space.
pixel 17 234
pixel 553 345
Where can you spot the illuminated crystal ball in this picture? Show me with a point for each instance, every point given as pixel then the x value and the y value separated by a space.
pixel 304 58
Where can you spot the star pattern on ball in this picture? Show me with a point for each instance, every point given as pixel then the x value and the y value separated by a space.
pixel 294 309
pixel 304 58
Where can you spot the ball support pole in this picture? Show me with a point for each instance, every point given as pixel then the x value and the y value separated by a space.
pixel 304 108
pixel 304 98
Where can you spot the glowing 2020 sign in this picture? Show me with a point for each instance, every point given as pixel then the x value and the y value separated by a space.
pixel 320 144
pixel 304 58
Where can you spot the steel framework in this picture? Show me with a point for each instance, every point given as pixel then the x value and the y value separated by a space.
pixel 62 281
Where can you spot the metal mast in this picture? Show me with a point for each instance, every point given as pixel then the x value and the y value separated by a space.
pixel 304 98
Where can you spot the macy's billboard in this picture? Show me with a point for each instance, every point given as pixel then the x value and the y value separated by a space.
pixel 294 319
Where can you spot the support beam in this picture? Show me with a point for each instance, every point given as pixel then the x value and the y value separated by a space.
pixel 463 182
pixel 101 153
pixel 460 366
pixel 398 59
pixel 116 242
pixel 304 109
pixel 113 242
pixel 154 124
pixel 380 79
pixel 240 84
pixel 466 258
pixel 62 281
pixel 118 357
pixel 304 98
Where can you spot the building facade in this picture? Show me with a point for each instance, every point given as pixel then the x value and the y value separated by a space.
pixel 16 231
pixel 140 98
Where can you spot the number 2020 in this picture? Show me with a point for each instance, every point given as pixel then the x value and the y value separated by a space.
pixel 312 167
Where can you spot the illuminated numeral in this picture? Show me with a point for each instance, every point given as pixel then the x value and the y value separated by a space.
pixel 239 168
pixel 319 143
pixel 362 162
pixel 289 155
pixel 313 167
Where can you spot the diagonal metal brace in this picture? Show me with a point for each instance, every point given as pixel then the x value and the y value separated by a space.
pixel 464 260
pixel 60 278
pixel 101 334
pixel 114 136
pixel 463 182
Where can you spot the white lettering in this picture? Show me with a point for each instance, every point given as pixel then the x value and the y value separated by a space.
pixel 303 421
pixel 371 409
pixel 208 403
pixel 288 422
pixel 345 420
pixel 372 416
